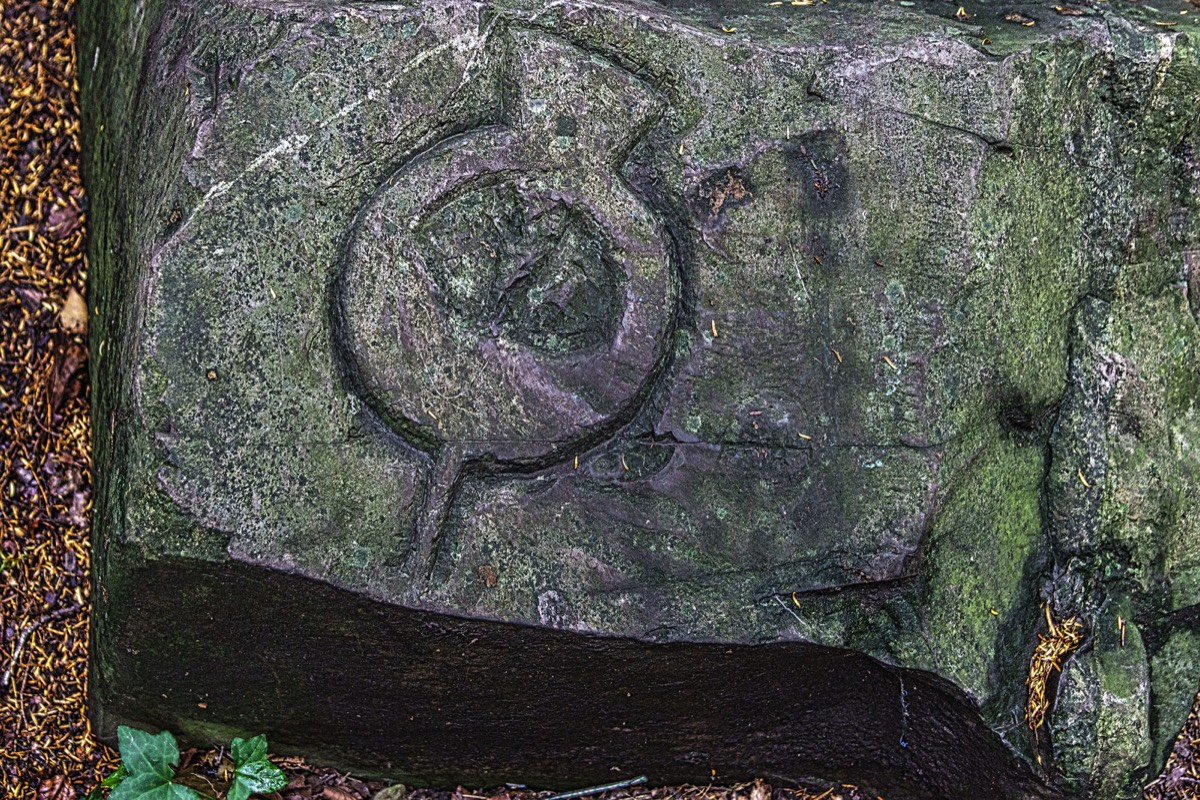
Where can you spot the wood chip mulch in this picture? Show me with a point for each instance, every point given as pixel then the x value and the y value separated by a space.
pixel 1048 658
pixel 44 427
pixel 47 751
pixel 757 790
pixel 1180 778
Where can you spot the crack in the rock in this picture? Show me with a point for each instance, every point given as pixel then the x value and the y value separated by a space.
pixel 1001 144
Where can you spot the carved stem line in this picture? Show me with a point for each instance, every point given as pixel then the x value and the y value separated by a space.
pixel 444 477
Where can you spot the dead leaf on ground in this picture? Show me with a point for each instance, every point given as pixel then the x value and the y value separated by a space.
pixel 63 220
pixel 67 377
pixel 1014 16
pixel 334 793
pixel 77 513
pixel 355 785
pixel 56 788
pixel 31 298
pixel 74 315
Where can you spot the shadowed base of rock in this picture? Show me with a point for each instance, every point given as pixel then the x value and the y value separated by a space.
pixel 432 698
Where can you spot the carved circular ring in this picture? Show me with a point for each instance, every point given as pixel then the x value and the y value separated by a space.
pixel 508 312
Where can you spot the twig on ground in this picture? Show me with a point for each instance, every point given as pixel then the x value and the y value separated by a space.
pixel 608 787
pixel 23 637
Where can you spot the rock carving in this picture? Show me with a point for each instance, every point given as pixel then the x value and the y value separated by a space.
pixel 715 373
pixel 514 259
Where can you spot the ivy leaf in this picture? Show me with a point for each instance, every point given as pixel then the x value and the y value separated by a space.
pixel 137 787
pixel 245 751
pixel 115 778
pixel 253 773
pixel 259 777
pixel 174 791
pixel 238 791
pixel 147 786
pixel 112 780
pixel 146 754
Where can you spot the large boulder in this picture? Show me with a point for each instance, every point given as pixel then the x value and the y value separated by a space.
pixel 504 391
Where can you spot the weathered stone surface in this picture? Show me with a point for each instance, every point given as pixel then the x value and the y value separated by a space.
pixel 794 330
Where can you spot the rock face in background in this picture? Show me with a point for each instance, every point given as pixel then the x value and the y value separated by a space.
pixel 793 330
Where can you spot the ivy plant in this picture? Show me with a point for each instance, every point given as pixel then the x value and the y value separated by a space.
pixel 252 772
pixel 149 761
